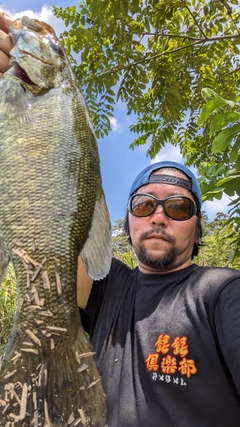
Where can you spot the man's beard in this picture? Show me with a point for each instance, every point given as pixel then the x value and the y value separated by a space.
pixel 162 262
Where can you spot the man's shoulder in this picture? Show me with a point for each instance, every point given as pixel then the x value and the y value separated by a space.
pixel 119 274
pixel 222 273
pixel 215 279
pixel 119 266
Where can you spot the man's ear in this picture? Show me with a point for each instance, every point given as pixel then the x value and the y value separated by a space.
pixel 126 228
pixel 198 231
pixel 129 239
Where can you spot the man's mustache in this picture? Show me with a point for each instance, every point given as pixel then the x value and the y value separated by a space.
pixel 157 230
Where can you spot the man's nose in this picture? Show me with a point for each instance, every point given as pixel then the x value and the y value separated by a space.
pixel 159 216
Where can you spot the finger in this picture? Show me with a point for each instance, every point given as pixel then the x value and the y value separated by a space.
pixel 5 43
pixel 5 21
pixel 4 62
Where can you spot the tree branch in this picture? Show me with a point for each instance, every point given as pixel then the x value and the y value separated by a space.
pixel 193 17
pixel 230 72
pixel 158 55
pixel 196 39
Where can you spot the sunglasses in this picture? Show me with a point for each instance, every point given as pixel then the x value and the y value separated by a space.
pixel 179 208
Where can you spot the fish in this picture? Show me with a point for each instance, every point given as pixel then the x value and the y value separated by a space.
pixel 52 208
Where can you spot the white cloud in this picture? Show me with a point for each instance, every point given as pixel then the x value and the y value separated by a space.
pixel 116 125
pixel 169 153
pixel 213 207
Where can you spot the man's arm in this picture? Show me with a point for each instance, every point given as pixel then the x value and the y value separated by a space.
pixel 5 42
pixel 227 320
pixel 84 285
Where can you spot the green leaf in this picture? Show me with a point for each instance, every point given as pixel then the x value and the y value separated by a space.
pixel 224 138
pixel 124 6
pixel 214 104
pixel 227 179
pixel 217 194
pixel 207 109
pixel 208 94
pixel 235 151
pixel 230 187
pixel 221 120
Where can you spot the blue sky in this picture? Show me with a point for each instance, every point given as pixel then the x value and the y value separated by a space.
pixel 119 164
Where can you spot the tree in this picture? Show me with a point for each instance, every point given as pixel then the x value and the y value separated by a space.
pixel 223 125
pixel 121 247
pixel 218 243
pixel 158 56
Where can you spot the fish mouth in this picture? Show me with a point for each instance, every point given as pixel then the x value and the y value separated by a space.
pixel 21 74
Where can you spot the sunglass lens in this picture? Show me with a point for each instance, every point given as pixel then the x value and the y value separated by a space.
pixel 178 208
pixel 142 205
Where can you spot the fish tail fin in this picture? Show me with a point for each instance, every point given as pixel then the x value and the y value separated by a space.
pixel 97 251
pixel 59 388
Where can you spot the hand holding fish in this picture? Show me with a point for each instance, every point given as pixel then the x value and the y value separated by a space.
pixel 5 42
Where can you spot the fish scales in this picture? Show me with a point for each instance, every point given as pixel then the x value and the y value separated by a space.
pixel 52 206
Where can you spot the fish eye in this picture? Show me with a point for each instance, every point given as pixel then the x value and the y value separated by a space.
pixel 54 44
pixel 56 47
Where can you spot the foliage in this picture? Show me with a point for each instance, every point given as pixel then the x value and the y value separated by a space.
pixel 219 244
pixel 222 118
pixel 160 54
pixel 8 302
pixel 157 56
pixel 120 245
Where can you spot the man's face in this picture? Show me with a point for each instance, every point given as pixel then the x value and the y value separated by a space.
pixel 163 244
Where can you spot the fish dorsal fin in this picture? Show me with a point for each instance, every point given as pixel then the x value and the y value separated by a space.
pixel 31 24
pixel 97 251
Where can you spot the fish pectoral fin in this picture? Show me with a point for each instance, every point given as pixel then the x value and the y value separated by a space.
pixel 16 104
pixel 4 257
pixel 97 251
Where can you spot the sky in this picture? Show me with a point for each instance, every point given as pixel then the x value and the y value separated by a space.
pixel 119 164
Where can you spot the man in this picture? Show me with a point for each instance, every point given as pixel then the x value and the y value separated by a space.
pixel 167 333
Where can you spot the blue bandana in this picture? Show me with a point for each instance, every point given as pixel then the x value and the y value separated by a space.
pixel 146 177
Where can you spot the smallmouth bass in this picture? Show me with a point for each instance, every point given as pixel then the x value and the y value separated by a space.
pixel 52 208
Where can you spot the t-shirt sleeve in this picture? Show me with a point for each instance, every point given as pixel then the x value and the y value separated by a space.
pixel 227 321
pixel 90 314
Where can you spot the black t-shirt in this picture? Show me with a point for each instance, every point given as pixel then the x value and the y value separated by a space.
pixel 168 346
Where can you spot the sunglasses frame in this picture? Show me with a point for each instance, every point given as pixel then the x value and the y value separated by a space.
pixel 161 202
